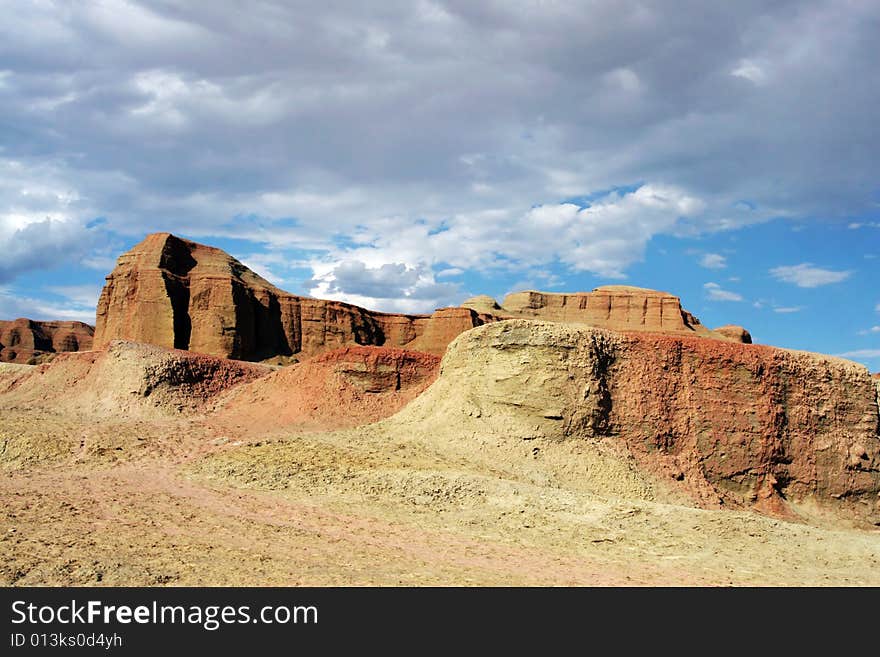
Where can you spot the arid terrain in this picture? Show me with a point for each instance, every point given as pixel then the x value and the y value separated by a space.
pixel 605 438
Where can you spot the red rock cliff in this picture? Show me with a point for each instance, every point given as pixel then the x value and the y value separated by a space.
pixel 179 294
pixel 27 341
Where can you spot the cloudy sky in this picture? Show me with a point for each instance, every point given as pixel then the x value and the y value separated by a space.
pixel 407 155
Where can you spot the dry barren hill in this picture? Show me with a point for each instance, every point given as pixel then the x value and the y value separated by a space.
pixel 591 438
pixel 124 380
pixel 347 387
pixel 727 424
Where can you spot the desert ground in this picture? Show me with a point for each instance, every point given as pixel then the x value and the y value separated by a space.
pixel 144 496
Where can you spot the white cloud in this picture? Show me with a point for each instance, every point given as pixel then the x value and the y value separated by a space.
pixel 100 259
pixel 716 293
pixel 873 329
pixel 806 275
pixel 390 287
pixel 787 309
pixel 713 261
pixel 133 24
pixel 603 238
pixel 264 264
pixel 85 296
pixel 34 194
pixel 13 306
pixel 751 71
pixel 43 218
pixel 861 353
pixel 624 79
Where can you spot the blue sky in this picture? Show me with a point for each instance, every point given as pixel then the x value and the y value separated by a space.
pixel 408 155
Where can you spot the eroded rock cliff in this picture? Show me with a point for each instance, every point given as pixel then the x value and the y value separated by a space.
pixel 734 424
pixel 29 342
pixel 179 294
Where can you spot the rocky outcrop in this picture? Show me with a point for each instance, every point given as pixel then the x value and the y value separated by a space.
pixel 735 333
pixel 616 307
pixel 179 294
pixel 483 303
pixel 731 424
pixel 29 342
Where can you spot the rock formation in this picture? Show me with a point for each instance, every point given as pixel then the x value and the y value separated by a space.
pixel 615 307
pixel 735 333
pixel 734 424
pixel 179 294
pixel 29 342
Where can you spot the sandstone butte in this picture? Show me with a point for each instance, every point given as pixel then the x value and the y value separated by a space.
pixel 179 294
pixel 29 342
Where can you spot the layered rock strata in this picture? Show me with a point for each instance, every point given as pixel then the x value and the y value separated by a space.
pixel 615 307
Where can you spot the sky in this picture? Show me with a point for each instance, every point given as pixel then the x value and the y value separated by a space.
pixel 407 155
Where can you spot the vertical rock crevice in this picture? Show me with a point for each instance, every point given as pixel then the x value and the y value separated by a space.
pixel 176 261
pixel 178 294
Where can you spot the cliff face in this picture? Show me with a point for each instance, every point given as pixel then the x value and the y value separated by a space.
pixel 615 307
pixel 726 423
pixel 28 342
pixel 179 294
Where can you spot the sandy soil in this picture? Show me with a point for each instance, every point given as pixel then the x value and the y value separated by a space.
pixel 187 501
